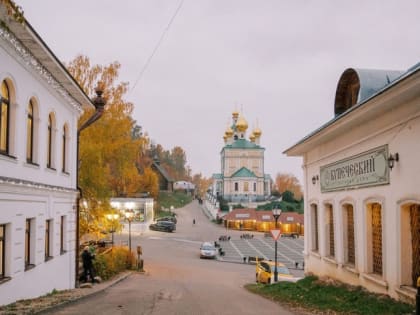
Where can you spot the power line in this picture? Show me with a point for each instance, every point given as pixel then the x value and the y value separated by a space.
pixel 157 45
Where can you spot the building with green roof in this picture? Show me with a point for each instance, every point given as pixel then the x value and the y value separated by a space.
pixel 242 177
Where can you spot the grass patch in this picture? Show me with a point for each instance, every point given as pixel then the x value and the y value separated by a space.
pixel 177 199
pixel 313 294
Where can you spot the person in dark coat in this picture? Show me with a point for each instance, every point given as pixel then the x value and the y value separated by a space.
pixel 87 259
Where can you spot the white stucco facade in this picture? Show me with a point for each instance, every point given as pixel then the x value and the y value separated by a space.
pixel 37 189
pixel 361 216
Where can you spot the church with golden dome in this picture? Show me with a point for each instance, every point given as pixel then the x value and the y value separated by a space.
pixel 242 178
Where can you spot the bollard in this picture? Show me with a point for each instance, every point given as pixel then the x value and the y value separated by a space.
pixel 418 297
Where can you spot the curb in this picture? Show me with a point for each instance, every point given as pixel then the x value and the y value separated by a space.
pixel 107 284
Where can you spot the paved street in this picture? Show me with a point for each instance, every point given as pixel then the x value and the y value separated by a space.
pixel 176 281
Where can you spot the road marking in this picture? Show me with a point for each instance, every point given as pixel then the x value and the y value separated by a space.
pixel 259 253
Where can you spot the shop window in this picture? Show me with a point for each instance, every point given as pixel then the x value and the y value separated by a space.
pixel 314 228
pixel 374 238
pixel 329 235
pixel 349 244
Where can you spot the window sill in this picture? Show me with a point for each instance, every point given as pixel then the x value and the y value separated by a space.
pixel 51 169
pixel 407 293
pixel 7 157
pixel 330 260
pixel 29 267
pixel 48 258
pixel 65 173
pixel 315 254
pixel 63 252
pixel 5 279
pixel 377 279
pixel 32 164
pixel 351 269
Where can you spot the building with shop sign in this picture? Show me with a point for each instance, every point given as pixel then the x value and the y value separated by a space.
pixel 361 183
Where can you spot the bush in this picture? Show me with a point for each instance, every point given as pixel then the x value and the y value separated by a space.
pixel 113 261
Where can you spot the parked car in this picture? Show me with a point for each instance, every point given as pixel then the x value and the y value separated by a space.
pixel 265 272
pixel 208 250
pixel 164 226
pixel 172 219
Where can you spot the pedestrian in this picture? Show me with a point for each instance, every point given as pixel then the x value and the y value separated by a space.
pixel 193 221
pixel 87 259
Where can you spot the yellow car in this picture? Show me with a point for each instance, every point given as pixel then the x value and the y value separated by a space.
pixel 265 272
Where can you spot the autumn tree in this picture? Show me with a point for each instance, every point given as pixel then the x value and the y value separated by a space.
pixel 107 152
pixel 289 182
pixel 201 184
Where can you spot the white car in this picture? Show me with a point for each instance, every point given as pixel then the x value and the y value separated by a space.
pixel 207 250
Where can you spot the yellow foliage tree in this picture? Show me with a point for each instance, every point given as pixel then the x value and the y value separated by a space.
pixel 290 183
pixel 107 152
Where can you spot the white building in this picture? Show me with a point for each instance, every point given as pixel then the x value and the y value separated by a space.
pixel 242 177
pixel 40 106
pixel 361 177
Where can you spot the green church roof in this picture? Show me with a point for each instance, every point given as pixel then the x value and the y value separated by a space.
pixel 217 176
pixel 242 144
pixel 243 172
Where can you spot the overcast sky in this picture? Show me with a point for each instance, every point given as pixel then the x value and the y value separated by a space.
pixel 279 61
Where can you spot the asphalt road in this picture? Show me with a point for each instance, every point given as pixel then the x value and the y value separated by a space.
pixel 176 280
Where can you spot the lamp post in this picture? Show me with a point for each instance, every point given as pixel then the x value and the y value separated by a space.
pixel 112 217
pixel 99 103
pixel 129 214
pixel 276 215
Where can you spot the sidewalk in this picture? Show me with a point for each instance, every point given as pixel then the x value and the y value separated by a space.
pixel 49 303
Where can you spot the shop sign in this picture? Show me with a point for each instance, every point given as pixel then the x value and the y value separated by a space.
pixel 366 169
pixel 242 215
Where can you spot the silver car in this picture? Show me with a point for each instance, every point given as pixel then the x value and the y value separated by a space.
pixel 207 250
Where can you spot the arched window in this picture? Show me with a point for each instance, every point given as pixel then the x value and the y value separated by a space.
pixel 51 136
pixel 30 134
pixel 65 149
pixel 236 187
pixel 4 119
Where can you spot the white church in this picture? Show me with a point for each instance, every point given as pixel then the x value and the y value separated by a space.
pixel 242 177
pixel 40 107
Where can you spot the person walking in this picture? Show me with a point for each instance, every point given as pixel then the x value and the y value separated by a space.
pixel 87 259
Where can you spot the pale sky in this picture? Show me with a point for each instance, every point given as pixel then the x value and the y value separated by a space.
pixel 279 61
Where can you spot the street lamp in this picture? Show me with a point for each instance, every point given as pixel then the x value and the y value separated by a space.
pixel 276 215
pixel 112 217
pixel 129 214
pixel 99 103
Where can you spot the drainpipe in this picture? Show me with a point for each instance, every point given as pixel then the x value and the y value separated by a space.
pixel 99 103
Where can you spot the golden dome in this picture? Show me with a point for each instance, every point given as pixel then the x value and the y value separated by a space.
pixel 252 137
pixel 229 132
pixel 242 124
pixel 257 132
pixel 235 114
pixel 225 137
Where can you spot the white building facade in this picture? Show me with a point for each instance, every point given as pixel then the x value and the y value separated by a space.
pixel 40 106
pixel 361 177
pixel 242 177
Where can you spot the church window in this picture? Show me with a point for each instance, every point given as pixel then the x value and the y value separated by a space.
pixel 255 187
pixel 236 187
pixel 246 184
